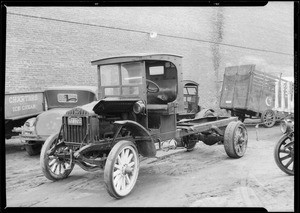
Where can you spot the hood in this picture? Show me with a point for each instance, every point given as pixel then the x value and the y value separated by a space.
pixel 86 110
pixel 50 121
pixel 114 105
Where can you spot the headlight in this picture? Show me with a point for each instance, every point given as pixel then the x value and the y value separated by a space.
pixel 139 107
pixel 29 126
pixel 30 122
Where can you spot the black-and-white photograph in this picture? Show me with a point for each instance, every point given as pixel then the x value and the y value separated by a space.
pixel 150 106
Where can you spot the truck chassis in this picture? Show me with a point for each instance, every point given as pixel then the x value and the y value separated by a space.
pixel 121 163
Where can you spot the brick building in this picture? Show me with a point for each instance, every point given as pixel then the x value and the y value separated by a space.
pixel 48 46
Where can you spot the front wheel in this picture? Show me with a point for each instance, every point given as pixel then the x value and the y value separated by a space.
pixel 56 164
pixel 235 139
pixel 121 169
pixel 284 154
pixel 268 118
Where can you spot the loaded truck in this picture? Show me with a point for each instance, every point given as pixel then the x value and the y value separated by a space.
pixel 19 107
pixel 250 93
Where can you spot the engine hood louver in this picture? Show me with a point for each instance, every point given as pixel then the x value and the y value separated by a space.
pixel 78 112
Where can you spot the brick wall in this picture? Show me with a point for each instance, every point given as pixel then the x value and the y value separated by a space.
pixel 43 52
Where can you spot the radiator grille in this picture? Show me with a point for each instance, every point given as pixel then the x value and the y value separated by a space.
pixel 75 133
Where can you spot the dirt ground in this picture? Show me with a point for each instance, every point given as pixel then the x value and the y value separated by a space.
pixel 205 177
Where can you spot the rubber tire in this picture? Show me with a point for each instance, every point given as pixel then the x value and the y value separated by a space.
pixel 109 167
pixel 273 121
pixel 33 149
pixel 44 160
pixel 276 156
pixel 229 139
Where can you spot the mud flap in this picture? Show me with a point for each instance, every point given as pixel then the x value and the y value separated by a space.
pixel 146 148
pixel 143 139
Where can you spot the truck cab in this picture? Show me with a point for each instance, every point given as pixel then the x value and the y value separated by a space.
pixel 146 88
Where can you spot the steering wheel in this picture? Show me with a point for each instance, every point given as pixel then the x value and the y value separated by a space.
pixel 155 87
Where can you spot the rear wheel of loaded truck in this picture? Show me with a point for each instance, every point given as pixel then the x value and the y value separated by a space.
pixel 268 118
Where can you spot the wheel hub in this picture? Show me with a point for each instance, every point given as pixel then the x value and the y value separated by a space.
pixel 126 169
pixel 241 140
pixel 268 117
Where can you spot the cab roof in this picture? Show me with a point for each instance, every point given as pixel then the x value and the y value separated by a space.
pixel 92 89
pixel 136 57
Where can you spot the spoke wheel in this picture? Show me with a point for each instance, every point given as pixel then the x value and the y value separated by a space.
pixel 284 154
pixel 121 169
pixel 58 165
pixel 235 139
pixel 268 118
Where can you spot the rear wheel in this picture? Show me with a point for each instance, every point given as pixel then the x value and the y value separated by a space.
pixel 268 118
pixel 121 169
pixel 32 148
pixel 284 154
pixel 56 162
pixel 235 139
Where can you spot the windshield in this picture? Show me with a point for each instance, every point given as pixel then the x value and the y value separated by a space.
pixel 121 79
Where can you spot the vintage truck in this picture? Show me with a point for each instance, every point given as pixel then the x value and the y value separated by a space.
pixel 18 107
pixel 58 100
pixel 250 93
pixel 142 108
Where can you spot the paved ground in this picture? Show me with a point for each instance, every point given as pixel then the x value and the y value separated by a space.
pixel 205 177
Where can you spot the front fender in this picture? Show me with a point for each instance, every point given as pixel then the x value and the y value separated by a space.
pixel 143 139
